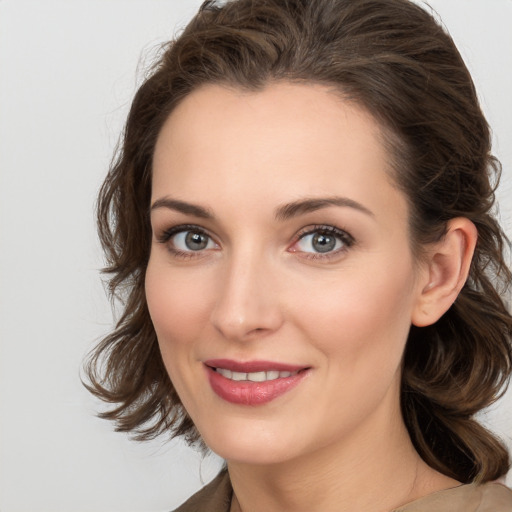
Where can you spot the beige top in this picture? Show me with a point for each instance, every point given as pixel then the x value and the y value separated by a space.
pixel 490 497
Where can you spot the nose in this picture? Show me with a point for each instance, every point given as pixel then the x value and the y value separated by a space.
pixel 247 305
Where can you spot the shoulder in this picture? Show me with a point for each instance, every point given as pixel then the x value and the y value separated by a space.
pixel 214 497
pixel 489 497
pixel 495 498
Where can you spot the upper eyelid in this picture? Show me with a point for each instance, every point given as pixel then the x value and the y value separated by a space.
pixel 347 240
pixel 166 234
pixel 180 228
pixel 308 230
pixel 164 237
pixel 345 237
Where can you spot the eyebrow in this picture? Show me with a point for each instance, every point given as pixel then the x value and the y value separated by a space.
pixel 307 205
pixel 182 207
pixel 287 211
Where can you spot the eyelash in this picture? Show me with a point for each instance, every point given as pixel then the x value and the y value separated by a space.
pixel 166 236
pixel 346 239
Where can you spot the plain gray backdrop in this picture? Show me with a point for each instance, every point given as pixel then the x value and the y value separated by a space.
pixel 68 70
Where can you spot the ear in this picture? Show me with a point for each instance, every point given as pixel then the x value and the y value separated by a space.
pixel 446 270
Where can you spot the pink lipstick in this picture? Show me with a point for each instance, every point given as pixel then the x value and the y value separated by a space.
pixel 252 382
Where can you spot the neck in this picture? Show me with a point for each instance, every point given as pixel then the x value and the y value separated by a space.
pixel 374 469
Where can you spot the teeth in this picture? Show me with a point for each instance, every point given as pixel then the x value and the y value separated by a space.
pixel 225 373
pixel 255 376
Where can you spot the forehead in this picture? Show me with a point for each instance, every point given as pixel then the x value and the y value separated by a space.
pixel 278 144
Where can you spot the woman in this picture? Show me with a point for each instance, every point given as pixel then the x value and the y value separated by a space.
pixel 300 218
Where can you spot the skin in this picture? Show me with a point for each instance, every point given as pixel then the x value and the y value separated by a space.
pixel 260 290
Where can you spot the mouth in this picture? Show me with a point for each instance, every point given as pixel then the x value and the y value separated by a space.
pixel 254 382
pixel 254 376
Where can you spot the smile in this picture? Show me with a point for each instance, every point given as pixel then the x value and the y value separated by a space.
pixel 254 376
pixel 252 383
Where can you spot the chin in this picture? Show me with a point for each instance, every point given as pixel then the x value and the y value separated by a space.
pixel 252 443
pixel 251 454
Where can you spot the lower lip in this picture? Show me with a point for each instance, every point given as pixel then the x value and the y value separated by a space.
pixel 252 393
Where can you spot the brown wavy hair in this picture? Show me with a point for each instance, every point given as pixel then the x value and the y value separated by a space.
pixel 395 60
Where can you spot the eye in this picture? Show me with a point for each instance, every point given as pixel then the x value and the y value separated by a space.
pixel 322 240
pixel 186 240
pixel 192 241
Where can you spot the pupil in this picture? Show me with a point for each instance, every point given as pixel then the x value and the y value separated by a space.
pixel 323 243
pixel 196 241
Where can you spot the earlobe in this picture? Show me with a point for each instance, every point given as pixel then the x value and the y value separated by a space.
pixel 447 269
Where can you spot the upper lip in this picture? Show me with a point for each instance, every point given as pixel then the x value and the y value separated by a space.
pixel 253 366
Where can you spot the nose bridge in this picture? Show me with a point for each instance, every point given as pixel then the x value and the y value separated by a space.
pixel 247 302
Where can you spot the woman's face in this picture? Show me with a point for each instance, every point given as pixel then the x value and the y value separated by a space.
pixel 281 283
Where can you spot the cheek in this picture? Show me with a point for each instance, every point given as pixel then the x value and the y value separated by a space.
pixel 179 307
pixel 361 321
pixel 178 304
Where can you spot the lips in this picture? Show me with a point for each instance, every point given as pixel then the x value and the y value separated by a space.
pixel 253 382
pixel 254 376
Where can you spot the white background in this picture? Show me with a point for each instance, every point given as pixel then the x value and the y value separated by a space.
pixel 68 70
